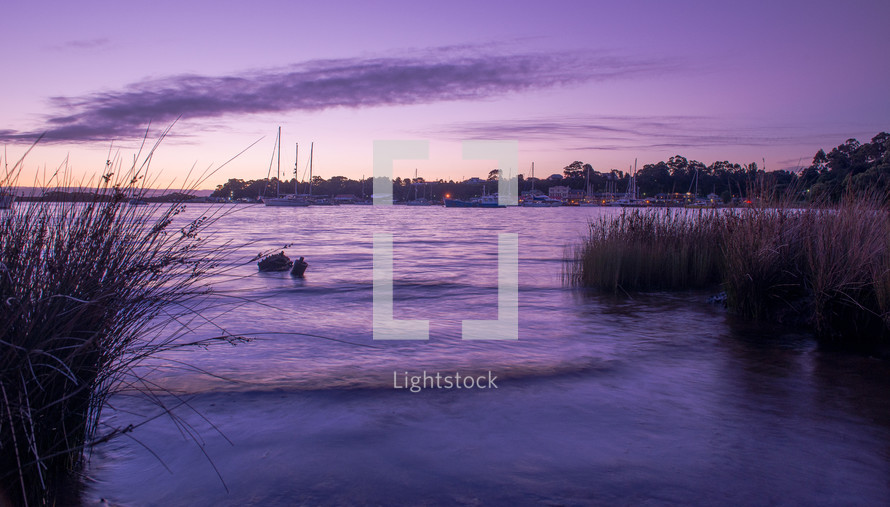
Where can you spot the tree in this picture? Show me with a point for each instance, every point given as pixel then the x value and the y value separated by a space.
pixel 574 170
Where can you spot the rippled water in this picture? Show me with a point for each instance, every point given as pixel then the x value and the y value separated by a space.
pixel 657 398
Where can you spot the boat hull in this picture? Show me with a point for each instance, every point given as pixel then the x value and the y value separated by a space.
pixel 285 203
pixel 457 203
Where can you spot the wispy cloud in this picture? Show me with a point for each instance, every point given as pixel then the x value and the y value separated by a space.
pixel 607 133
pixel 82 44
pixel 436 75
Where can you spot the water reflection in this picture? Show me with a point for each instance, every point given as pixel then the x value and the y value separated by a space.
pixel 654 398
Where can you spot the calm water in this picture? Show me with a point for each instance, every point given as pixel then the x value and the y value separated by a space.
pixel 659 398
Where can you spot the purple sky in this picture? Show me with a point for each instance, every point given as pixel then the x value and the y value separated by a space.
pixel 602 82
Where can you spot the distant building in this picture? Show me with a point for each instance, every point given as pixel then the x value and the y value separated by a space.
pixel 474 181
pixel 559 192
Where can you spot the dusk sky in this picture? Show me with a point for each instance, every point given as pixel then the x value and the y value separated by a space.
pixel 601 82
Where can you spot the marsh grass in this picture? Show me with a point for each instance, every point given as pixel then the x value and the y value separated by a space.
pixel 647 250
pixel 827 267
pixel 88 292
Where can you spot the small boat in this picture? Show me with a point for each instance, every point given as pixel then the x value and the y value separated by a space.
pixel 299 268
pixel 486 201
pixel 541 201
pixel 136 201
pixel 275 262
pixel 280 262
pixel 289 200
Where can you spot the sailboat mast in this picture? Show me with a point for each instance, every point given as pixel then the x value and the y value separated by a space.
pixel 311 149
pixel 634 179
pixel 278 177
pixel 296 169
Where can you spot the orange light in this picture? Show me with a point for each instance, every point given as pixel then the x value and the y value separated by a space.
pixel 448 196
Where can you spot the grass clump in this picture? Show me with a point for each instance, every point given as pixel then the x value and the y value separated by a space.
pixel 88 291
pixel 645 249
pixel 825 267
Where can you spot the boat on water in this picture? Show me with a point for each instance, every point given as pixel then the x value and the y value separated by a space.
pixel 281 262
pixel 136 201
pixel 540 201
pixel 7 199
pixel 588 200
pixel 486 201
pixel 631 197
pixel 419 200
pixel 288 200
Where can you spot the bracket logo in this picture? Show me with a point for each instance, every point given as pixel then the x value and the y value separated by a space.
pixel 506 326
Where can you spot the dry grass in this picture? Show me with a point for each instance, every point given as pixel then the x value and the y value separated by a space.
pixel 88 291
pixel 827 267
pixel 651 249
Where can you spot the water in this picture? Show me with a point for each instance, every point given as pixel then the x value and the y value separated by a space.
pixel 658 398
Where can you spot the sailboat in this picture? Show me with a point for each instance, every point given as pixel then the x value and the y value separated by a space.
pixel 588 199
pixel 419 201
pixel 630 199
pixel 364 200
pixel 289 200
pixel 536 199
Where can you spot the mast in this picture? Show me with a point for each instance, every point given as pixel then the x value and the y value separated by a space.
pixel 311 148
pixel 533 176
pixel 278 177
pixel 296 165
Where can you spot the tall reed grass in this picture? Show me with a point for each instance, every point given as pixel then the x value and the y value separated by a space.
pixel 827 267
pixel 643 250
pixel 88 292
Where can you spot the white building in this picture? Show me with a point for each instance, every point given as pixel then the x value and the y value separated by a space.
pixel 559 192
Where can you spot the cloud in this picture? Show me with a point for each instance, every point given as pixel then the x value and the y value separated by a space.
pixel 608 133
pixel 81 44
pixel 443 74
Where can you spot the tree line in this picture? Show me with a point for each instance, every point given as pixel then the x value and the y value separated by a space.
pixel 850 167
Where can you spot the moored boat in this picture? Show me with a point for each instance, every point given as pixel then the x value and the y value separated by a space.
pixel 540 201
pixel 486 201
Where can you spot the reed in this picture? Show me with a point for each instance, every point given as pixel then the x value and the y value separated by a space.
pixel 88 292
pixel 827 267
pixel 761 264
pixel 844 260
pixel 651 249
